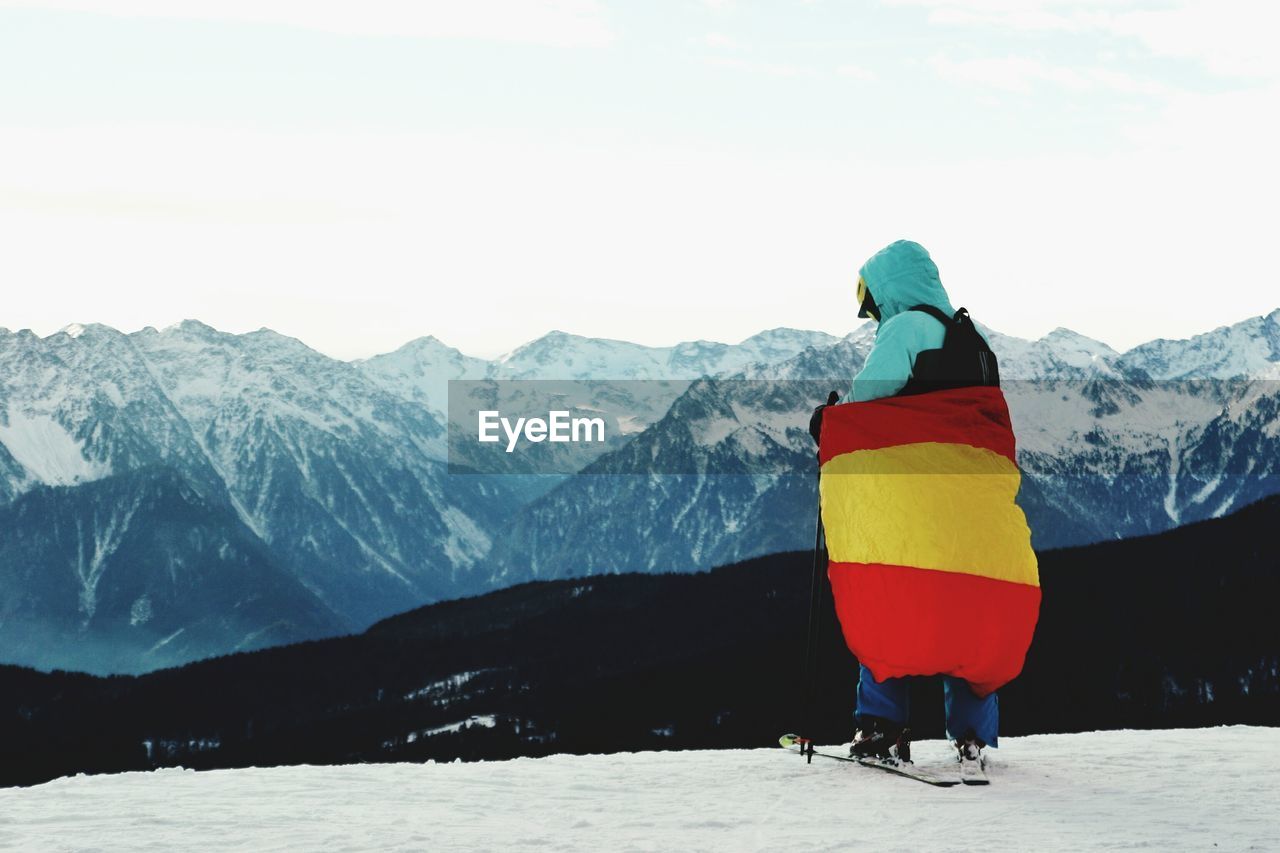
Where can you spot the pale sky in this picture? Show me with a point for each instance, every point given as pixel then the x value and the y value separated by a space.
pixel 357 174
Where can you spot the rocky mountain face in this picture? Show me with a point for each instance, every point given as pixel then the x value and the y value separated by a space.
pixel 562 356
pixel 342 485
pixel 1249 348
pixel 1109 446
pixel 323 486
pixel 137 571
pixel 629 385
pixel 421 369
pixel 344 480
pixel 81 404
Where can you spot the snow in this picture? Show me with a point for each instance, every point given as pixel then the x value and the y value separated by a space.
pixel 47 450
pixel 1060 354
pixel 1196 789
pixel 107 537
pixel 630 425
pixel 1247 348
pixel 710 432
pixel 164 642
pixel 1052 417
pixel 564 356
pixel 487 721
pixel 452 683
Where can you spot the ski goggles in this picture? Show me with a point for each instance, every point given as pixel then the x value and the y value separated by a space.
pixel 866 302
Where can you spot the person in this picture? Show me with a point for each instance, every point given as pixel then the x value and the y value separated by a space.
pixel 896 289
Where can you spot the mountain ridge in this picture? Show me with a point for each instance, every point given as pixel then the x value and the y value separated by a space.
pixel 1259 326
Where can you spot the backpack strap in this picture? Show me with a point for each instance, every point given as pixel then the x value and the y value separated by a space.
pixel 935 312
pixel 965 358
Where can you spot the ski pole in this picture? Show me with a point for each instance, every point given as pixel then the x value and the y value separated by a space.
pixel 813 637
pixel 813 640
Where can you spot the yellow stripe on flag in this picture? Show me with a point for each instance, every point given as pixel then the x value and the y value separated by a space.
pixel 948 507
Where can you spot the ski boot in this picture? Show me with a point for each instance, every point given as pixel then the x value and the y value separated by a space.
pixel 881 739
pixel 973 764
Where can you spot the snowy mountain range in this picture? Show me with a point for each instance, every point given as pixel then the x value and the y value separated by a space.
pixel 325 498
pixel 326 501
pixel 629 385
pixel 420 370
pixel 1111 445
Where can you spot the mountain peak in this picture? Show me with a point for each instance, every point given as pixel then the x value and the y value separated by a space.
pixel 1063 335
pixel 1248 348
pixel 266 340
pixel 776 331
pixel 191 328
pixel 427 346
pixel 86 330
pixel 558 337
pixel 787 334
pixel 542 347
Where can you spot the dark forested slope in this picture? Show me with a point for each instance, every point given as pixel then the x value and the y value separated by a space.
pixel 1173 629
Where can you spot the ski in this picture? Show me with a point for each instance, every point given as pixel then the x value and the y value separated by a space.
pixel 793 743
pixel 908 771
pixel 974 773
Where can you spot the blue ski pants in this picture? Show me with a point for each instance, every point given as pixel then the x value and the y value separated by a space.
pixel 889 700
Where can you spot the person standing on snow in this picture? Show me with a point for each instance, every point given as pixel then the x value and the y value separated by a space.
pixel 899 288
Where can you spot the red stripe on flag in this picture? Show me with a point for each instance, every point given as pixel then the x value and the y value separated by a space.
pixel 906 621
pixel 976 416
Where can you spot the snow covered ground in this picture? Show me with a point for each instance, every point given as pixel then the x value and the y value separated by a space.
pixel 1203 789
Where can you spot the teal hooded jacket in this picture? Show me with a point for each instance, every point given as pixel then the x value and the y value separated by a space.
pixel 898 277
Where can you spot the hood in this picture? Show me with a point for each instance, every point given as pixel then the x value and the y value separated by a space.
pixel 902 275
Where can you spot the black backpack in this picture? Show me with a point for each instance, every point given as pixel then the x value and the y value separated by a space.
pixel 963 360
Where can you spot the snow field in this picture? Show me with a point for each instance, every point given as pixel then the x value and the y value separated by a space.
pixel 1204 789
pixel 47 450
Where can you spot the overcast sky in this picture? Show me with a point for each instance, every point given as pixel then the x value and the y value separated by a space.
pixel 357 174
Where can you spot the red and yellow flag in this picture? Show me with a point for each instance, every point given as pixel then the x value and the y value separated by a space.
pixel 930 557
